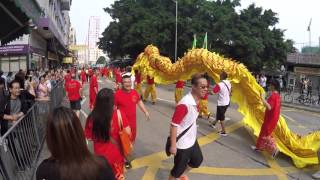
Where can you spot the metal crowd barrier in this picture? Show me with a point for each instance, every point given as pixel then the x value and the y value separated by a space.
pixel 57 94
pixel 21 145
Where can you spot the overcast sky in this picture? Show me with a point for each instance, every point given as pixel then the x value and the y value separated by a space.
pixel 294 16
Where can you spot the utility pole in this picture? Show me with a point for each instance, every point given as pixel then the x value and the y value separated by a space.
pixel 176 34
pixel 309 29
pixel 176 40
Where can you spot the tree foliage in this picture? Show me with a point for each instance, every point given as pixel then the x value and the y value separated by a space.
pixel 249 35
pixel 101 60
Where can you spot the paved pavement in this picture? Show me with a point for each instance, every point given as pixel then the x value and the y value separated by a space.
pixel 224 157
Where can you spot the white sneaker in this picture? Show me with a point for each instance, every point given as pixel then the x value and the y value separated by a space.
pixel 253 147
pixel 316 175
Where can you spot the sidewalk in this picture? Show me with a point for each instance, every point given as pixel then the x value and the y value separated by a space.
pixel 302 107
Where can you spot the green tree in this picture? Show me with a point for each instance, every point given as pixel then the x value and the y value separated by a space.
pixel 249 36
pixel 101 60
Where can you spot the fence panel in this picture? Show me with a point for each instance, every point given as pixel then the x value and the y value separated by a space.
pixel 21 145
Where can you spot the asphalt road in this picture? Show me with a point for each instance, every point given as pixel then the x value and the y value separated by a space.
pixel 224 157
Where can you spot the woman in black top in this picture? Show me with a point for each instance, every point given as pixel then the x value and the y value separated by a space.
pixel 70 158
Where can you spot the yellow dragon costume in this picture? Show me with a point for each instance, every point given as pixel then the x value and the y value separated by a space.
pixel 246 93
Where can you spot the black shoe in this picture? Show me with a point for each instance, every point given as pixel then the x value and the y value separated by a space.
pixel 153 103
pixel 128 165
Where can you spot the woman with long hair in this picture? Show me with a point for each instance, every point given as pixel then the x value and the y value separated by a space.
pixel 273 104
pixel 102 127
pixel 70 158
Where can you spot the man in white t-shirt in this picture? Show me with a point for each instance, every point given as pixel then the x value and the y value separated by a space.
pixel 263 82
pixel 223 89
pixel 187 151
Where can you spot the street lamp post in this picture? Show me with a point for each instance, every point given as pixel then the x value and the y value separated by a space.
pixel 176 34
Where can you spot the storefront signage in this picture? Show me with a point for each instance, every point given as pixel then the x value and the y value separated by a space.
pixel 14 49
pixel 307 71
pixel 67 60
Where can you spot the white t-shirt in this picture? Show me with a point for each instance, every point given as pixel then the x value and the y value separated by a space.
pixel 224 93
pixel 189 138
pixel 263 81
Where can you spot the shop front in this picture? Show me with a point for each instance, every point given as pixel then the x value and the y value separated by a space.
pixel 25 57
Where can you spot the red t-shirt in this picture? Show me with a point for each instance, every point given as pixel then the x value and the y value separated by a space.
pixel 118 76
pixel 150 80
pixel 126 102
pixel 73 87
pixel 180 84
pixel 138 78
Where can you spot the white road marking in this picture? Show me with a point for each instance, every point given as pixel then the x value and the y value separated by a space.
pixel 170 101
pixel 84 113
pixel 83 100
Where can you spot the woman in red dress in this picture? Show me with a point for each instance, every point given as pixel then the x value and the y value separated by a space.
pixel 94 87
pixel 273 104
pixel 83 76
pixel 102 127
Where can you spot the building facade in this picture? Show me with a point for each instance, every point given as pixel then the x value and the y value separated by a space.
pixel 92 39
pixel 303 65
pixel 47 42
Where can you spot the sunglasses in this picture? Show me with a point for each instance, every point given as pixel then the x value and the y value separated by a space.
pixel 203 87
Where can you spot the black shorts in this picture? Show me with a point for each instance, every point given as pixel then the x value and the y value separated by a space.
pixel 75 105
pixel 221 111
pixel 191 157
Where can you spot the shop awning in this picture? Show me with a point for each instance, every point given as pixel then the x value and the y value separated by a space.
pixel 15 15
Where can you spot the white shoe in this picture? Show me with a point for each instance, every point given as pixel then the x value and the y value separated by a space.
pixel 316 175
pixel 254 148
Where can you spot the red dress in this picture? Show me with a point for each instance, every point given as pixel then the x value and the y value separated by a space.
pixel 127 103
pixel 271 117
pixel 108 150
pixel 83 76
pixel 92 92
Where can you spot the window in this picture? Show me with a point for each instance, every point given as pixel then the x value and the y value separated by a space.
pixel 13 63
pixel 14 66
pixel 5 66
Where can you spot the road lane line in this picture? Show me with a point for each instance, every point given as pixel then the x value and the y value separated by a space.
pixel 83 100
pixel 84 113
pixel 294 121
pixel 170 101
